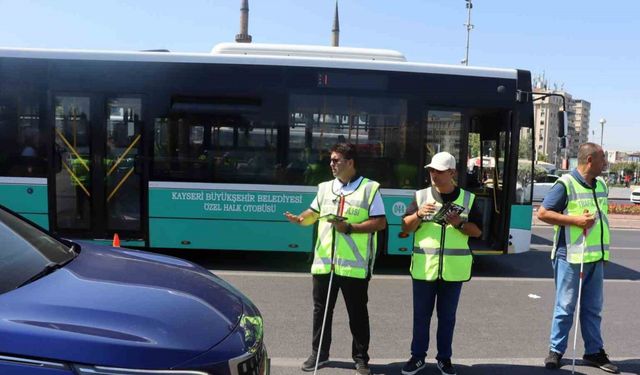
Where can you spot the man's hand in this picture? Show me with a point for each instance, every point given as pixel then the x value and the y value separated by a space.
pixel 453 219
pixel 426 209
pixel 340 225
pixel 294 219
pixel 586 220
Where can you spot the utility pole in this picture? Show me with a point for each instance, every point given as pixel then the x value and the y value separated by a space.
pixel 469 28
pixel 602 122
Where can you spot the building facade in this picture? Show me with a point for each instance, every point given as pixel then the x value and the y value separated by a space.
pixel 579 116
pixel 547 122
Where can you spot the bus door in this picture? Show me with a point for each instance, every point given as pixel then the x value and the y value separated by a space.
pixel 97 176
pixel 486 175
pixel 479 140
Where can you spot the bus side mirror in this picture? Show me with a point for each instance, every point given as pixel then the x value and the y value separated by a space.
pixel 563 124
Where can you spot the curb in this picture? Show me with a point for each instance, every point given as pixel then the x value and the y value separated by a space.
pixel 616 221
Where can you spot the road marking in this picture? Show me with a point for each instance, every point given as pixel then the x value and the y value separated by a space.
pixel 535 245
pixel 299 275
pixel 296 362
pixel 539 226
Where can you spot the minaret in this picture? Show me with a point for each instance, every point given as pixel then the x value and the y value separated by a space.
pixel 335 32
pixel 244 36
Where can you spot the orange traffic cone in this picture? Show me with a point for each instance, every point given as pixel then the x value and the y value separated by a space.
pixel 116 240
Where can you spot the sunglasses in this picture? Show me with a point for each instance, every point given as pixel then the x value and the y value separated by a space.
pixel 432 170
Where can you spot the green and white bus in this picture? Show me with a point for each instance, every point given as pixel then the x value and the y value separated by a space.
pixel 208 150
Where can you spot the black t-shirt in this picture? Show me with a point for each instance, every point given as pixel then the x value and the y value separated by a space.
pixel 475 216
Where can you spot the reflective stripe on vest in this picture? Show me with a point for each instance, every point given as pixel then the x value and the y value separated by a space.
pixel 595 245
pixel 432 258
pixel 354 253
pixel 453 252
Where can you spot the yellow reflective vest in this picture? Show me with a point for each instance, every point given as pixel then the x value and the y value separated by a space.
pixel 593 242
pixel 355 252
pixel 80 170
pixel 441 252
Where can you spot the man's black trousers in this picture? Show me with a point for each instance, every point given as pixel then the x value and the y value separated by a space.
pixel 355 293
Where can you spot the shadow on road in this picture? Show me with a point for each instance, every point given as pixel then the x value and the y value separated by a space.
pixel 246 260
pixel 626 367
pixel 537 264
pixel 532 264
pixel 538 240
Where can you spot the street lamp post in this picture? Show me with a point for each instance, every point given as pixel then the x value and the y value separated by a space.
pixel 469 27
pixel 602 122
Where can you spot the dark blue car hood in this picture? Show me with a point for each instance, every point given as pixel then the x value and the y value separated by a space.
pixel 119 308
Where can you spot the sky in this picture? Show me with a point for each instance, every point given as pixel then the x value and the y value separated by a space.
pixel 588 48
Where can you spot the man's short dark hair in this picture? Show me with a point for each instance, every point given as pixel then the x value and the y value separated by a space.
pixel 585 150
pixel 347 150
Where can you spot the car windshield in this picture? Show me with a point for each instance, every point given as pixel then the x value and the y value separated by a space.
pixel 26 251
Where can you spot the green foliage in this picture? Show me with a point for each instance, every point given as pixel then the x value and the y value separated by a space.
pixel 524 172
pixel 474 145
pixel 542 157
pixel 626 167
pixel 524 148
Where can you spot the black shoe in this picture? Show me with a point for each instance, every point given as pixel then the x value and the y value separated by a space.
pixel 552 361
pixel 413 365
pixel 362 368
pixel 600 360
pixel 445 367
pixel 310 364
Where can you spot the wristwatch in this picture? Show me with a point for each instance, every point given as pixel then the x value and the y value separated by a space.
pixel 461 225
pixel 349 229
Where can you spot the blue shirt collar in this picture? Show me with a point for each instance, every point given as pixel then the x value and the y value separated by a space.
pixel 575 174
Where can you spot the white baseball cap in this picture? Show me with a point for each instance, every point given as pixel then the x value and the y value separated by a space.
pixel 442 161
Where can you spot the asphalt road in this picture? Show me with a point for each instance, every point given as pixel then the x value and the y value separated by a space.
pixel 503 317
pixel 618 195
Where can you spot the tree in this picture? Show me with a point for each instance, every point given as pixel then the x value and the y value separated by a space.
pixel 524 149
pixel 627 167
pixel 474 145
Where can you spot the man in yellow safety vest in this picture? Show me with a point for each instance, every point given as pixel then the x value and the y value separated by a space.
pixel 577 206
pixel 443 218
pixel 349 211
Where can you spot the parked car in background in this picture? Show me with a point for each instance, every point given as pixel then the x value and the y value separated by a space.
pixel 541 187
pixel 635 195
pixel 78 308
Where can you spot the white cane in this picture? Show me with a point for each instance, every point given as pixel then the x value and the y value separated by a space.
pixel 577 316
pixel 324 319
pixel 326 302
pixel 577 313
